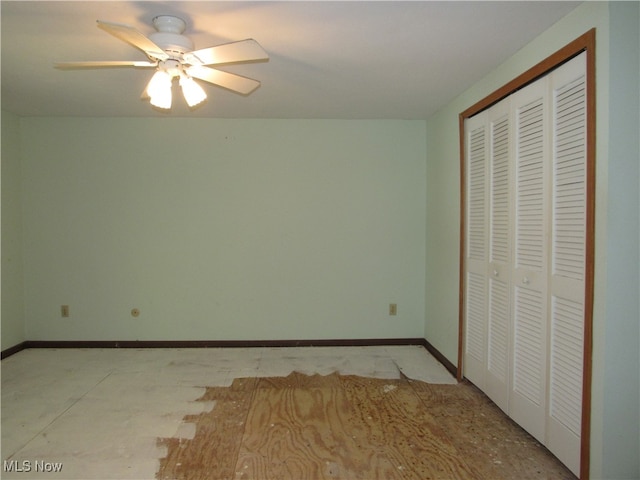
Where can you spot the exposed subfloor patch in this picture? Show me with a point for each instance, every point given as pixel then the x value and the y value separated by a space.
pixel 350 427
pixel 98 413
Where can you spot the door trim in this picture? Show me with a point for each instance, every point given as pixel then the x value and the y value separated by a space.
pixel 584 43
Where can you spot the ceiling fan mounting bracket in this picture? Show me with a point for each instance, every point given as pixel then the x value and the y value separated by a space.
pixel 169 24
pixel 169 35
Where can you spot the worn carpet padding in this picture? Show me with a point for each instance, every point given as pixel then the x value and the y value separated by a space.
pixel 351 427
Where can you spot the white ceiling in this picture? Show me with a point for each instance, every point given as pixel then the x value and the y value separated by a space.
pixel 328 59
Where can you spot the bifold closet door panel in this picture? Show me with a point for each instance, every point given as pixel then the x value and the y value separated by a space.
pixel 475 307
pixel 568 260
pixel 487 353
pixel 527 401
pixel 499 273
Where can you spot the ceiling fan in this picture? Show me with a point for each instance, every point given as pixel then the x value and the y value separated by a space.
pixel 171 54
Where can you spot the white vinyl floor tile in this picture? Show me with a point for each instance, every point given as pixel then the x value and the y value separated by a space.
pixel 97 413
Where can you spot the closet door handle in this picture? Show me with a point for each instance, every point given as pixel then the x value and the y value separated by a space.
pixel 525 280
pixel 496 273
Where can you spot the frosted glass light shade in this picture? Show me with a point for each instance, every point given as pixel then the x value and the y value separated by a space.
pixel 193 93
pixel 159 90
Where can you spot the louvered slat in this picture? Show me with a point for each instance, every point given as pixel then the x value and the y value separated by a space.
pixel 498 329
pixel 528 344
pixel 475 316
pixel 529 241
pixel 566 363
pixel 499 191
pixel 569 180
pixel 476 195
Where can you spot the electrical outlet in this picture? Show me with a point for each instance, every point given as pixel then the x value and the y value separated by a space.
pixel 64 310
pixel 393 309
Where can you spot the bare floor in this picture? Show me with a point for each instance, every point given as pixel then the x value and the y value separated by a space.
pixel 348 412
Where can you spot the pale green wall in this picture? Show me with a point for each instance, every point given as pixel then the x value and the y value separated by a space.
pixel 621 417
pixel 12 332
pixel 223 229
pixel 615 446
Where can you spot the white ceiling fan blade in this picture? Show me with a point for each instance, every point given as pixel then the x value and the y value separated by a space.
pixel 242 51
pixel 135 38
pixel 227 80
pixel 105 64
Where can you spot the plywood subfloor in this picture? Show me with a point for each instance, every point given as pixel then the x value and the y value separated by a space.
pixel 350 427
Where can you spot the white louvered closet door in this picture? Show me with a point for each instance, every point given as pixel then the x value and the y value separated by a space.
pixel 525 256
pixel 476 146
pixel 527 401
pixel 568 254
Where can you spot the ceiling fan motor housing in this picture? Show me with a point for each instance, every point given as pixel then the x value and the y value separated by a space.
pixel 169 35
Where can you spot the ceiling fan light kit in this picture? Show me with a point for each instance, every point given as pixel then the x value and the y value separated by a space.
pixel 193 93
pixel 159 90
pixel 172 55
